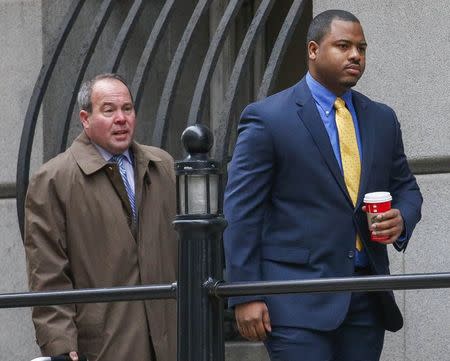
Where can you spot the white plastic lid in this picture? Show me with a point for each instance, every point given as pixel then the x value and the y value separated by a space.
pixel 377 197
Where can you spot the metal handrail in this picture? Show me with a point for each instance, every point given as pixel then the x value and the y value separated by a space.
pixel 227 289
pixel 92 295
pixel 365 283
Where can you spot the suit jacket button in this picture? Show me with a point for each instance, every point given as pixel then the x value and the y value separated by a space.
pixel 351 254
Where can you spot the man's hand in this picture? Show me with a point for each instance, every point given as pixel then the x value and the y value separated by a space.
pixel 253 320
pixel 389 223
pixel 73 355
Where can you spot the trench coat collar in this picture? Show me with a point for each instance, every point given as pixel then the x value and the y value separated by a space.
pixel 90 160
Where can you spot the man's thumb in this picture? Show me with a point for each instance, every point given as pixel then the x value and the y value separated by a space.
pixel 266 321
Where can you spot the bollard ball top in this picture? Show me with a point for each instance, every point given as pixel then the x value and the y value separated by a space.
pixel 197 139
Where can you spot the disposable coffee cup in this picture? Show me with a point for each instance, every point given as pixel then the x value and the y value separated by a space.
pixel 376 203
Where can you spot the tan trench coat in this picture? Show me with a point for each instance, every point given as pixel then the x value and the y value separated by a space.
pixel 78 235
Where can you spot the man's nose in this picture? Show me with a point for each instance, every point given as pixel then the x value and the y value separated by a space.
pixel 355 54
pixel 120 117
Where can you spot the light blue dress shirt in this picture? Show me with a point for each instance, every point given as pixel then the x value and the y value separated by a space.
pixel 324 100
pixel 128 163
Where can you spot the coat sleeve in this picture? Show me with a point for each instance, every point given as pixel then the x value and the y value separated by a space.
pixel 48 265
pixel 404 189
pixel 246 194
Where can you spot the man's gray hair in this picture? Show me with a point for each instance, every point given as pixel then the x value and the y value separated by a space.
pixel 85 93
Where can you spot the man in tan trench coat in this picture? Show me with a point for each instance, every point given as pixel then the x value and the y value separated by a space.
pixel 81 232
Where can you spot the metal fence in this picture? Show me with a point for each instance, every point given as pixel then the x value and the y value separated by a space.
pixel 200 290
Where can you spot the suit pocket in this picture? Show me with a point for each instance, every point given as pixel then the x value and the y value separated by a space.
pixel 294 255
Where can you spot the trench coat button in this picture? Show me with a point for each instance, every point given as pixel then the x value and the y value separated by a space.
pixel 351 254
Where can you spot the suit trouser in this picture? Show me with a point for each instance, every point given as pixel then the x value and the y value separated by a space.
pixel 359 338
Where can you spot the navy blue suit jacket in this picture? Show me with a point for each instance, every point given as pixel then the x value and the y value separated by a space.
pixel 288 210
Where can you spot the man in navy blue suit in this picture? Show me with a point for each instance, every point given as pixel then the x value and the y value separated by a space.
pixel 292 212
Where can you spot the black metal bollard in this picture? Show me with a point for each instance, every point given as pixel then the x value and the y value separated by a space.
pixel 200 225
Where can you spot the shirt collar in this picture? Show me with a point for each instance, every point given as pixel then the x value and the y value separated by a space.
pixel 107 155
pixel 324 97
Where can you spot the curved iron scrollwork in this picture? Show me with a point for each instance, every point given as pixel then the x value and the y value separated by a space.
pixel 85 55
pixel 174 73
pixel 148 54
pixel 247 47
pixel 167 16
pixel 124 36
pixel 198 100
pixel 280 47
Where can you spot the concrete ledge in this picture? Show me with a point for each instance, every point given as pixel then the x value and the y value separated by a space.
pixel 7 190
pixel 430 165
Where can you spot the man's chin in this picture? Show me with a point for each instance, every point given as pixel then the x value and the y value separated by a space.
pixel 119 148
pixel 349 84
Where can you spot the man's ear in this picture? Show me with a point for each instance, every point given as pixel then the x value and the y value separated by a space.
pixel 84 118
pixel 313 48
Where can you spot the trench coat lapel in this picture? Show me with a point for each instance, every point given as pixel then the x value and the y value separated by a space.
pixel 309 115
pixel 142 165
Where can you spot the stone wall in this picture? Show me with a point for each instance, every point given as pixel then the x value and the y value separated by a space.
pixel 21 47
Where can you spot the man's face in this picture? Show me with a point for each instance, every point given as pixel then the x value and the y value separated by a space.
pixel 112 121
pixel 339 60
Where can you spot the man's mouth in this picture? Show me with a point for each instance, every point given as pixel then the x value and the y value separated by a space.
pixel 353 69
pixel 120 132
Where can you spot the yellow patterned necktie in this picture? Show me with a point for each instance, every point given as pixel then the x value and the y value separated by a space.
pixel 351 160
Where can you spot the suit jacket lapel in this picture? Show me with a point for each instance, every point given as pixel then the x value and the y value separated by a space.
pixel 367 142
pixel 310 117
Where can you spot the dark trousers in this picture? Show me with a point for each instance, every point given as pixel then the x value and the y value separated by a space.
pixel 359 338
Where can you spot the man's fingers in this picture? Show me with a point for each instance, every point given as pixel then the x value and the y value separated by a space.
pixel 253 330
pixel 249 332
pixel 390 227
pixel 392 213
pixel 252 319
pixel 260 331
pixel 73 356
pixel 388 224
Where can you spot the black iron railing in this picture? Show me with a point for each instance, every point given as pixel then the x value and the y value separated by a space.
pixel 221 289
pixel 201 339
pixel 199 290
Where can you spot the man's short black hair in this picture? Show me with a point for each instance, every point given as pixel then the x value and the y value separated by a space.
pixel 320 25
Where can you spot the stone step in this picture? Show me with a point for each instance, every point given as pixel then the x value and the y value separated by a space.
pixel 245 351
